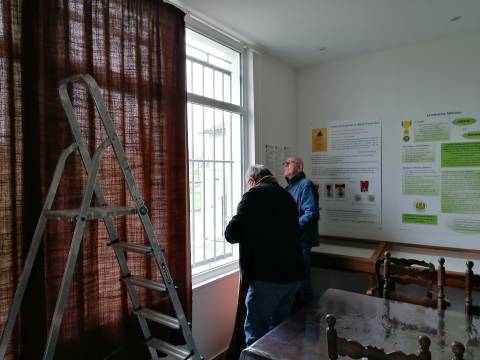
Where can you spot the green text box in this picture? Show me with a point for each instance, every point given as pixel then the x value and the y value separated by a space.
pixel 460 154
pixel 418 154
pixel 432 131
pixel 465 226
pixel 460 191
pixel 419 219
pixel 421 184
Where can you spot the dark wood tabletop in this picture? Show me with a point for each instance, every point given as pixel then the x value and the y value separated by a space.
pixel 387 324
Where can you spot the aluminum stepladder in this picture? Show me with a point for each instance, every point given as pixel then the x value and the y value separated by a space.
pixel 105 213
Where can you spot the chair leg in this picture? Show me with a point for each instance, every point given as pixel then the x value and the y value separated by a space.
pixel 331 337
pixel 458 349
pixel 424 343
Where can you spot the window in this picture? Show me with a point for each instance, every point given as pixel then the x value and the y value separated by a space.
pixel 215 128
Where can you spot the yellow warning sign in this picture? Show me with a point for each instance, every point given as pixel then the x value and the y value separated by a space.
pixel 319 140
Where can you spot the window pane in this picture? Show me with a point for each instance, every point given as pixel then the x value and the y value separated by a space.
pixel 218 208
pixel 197 85
pixel 208 81
pixel 219 135
pixel 203 54
pixel 189 75
pixel 197 131
pixel 196 53
pixel 221 63
pixel 209 134
pixel 218 86
pixel 228 192
pixel 190 129
pixel 238 177
pixel 209 215
pixel 227 134
pixel 227 90
pixel 196 212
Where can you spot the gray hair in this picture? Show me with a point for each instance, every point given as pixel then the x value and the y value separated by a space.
pixel 298 160
pixel 257 172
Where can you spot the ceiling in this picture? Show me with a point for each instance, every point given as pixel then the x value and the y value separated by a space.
pixel 294 31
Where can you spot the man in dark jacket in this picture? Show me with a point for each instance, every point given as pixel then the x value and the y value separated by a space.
pixel 306 197
pixel 271 264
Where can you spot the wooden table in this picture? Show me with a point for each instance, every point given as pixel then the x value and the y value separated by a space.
pixel 387 324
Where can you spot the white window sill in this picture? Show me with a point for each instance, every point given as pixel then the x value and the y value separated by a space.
pixel 206 277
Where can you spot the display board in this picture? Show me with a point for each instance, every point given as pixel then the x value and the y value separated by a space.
pixel 440 169
pixel 346 168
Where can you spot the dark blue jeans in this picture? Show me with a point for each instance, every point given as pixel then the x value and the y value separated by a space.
pixel 268 304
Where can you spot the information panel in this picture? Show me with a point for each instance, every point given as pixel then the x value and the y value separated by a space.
pixel 440 161
pixel 346 167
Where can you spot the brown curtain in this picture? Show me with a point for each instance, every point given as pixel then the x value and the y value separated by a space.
pixel 136 52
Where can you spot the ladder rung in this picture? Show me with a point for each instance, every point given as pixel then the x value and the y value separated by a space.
pixel 146 283
pixel 178 352
pixel 91 214
pixel 160 318
pixel 142 249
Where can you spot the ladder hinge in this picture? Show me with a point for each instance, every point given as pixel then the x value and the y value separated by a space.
pixel 143 210
pixel 126 276
pixel 114 241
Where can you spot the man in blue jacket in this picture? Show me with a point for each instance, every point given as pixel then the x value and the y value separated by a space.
pixel 306 197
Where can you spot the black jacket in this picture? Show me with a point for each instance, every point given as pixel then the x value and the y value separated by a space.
pixel 266 227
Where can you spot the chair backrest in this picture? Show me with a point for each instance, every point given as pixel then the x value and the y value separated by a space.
pixel 412 271
pixel 472 282
pixel 345 347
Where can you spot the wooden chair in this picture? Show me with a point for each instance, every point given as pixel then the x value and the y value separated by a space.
pixel 340 346
pixel 392 271
pixel 472 282
pixel 377 290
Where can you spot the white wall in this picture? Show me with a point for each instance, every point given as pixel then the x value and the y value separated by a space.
pixel 443 75
pixel 214 309
pixel 275 105
pixel 214 304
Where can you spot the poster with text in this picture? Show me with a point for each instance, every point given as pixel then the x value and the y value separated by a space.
pixel 346 167
pixel 440 162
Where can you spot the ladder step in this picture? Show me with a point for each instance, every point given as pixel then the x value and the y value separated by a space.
pixel 159 318
pixel 137 248
pixel 146 283
pixel 92 213
pixel 177 352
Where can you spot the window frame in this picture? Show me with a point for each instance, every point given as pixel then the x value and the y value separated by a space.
pixel 221 38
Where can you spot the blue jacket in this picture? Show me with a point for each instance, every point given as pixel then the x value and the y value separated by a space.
pixel 306 197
